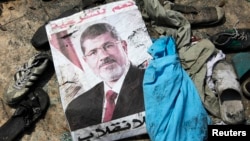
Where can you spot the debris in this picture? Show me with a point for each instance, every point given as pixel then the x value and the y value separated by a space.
pixel 3 28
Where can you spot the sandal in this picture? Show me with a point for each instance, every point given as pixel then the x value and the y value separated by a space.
pixel 25 78
pixel 229 93
pixel 28 112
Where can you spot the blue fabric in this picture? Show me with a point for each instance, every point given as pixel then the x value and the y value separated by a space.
pixel 173 108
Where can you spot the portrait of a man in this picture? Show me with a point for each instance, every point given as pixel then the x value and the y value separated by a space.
pixel 120 93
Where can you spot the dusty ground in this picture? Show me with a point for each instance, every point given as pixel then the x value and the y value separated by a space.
pixel 21 18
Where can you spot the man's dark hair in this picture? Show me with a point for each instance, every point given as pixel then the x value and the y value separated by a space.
pixel 96 30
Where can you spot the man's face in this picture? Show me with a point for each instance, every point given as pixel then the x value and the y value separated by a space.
pixel 106 56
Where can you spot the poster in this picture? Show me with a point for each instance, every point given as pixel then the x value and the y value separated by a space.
pixel 96 50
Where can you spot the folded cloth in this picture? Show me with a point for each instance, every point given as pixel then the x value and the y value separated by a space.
pixel 173 108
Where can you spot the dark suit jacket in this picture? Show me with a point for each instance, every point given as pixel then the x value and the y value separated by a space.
pixel 86 109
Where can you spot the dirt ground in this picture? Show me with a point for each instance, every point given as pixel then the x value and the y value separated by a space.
pixel 21 18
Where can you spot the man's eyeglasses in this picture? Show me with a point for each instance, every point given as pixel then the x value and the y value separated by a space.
pixel 106 47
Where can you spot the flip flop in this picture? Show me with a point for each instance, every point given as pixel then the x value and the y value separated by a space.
pixel 229 93
pixel 28 112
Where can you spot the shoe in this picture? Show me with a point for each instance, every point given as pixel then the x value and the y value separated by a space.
pixel 25 78
pixel 40 40
pixel 200 15
pixel 234 40
pixel 229 93
pixel 28 112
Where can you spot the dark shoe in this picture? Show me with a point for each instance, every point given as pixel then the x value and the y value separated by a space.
pixel 200 15
pixel 234 40
pixel 40 40
pixel 229 93
pixel 25 78
pixel 28 112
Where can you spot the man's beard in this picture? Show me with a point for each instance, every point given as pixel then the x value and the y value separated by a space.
pixel 112 73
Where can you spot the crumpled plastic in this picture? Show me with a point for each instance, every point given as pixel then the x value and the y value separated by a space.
pixel 173 108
